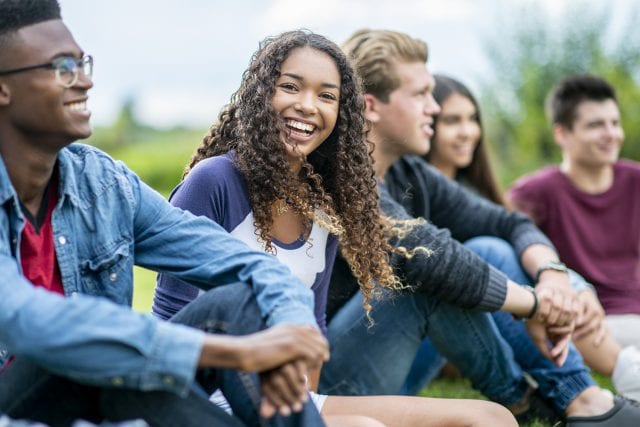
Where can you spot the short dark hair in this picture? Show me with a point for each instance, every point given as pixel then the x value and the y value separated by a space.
pixel 564 99
pixel 16 14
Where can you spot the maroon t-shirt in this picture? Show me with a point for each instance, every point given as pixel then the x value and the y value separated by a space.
pixel 598 235
pixel 37 251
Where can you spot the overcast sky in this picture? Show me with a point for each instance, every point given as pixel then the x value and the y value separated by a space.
pixel 182 59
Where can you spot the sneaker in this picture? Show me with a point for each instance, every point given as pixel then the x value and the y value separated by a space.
pixel 626 374
pixel 625 413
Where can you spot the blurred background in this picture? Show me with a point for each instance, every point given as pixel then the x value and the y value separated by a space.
pixel 164 68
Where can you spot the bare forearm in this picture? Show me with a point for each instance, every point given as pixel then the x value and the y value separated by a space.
pixel 535 256
pixel 519 300
pixel 265 350
pixel 222 351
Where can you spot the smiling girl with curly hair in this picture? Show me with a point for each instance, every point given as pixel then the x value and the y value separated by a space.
pixel 288 170
pixel 332 186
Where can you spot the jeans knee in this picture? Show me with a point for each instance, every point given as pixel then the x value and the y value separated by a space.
pixel 229 309
pixel 500 254
pixel 490 245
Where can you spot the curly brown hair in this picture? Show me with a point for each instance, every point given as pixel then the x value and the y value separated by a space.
pixel 335 188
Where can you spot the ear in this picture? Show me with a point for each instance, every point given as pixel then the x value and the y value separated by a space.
pixel 371 108
pixel 560 135
pixel 5 94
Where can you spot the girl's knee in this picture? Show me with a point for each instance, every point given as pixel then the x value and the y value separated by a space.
pixel 493 414
pixel 351 421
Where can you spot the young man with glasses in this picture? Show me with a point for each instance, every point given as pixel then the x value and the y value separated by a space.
pixel 71 222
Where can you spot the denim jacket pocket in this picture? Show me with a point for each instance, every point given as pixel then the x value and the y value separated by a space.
pixel 107 273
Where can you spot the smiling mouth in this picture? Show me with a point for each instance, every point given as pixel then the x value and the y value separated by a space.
pixel 77 106
pixel 296 126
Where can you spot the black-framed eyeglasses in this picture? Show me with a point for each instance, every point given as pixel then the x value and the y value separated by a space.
pixel 66 68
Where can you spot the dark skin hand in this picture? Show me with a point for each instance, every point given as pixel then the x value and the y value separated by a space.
pixel 284 389
pixel 282 354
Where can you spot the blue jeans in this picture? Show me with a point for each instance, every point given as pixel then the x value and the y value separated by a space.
pixel 375 359
pixel 492 350
pixel 27 391
pixel 558 385
pixel 429 361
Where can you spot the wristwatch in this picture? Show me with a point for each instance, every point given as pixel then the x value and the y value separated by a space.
pixel 551 265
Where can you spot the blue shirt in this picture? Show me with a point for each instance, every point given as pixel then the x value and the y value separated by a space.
pixel 106 218
pixel 216 189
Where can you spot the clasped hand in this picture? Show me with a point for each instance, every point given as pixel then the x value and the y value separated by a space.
pixel 551 327
pixel 283 355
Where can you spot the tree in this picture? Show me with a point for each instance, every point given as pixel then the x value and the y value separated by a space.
pixel 531 53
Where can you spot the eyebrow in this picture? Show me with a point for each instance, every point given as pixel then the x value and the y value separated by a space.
pixel 301 79
pixel 68 53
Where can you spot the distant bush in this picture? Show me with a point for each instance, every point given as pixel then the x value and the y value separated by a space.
pixel 157 156
pixel 530 52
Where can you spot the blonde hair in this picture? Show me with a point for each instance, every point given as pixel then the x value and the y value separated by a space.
pixel 373 54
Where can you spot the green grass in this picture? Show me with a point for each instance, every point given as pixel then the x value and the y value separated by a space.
pixel 144 282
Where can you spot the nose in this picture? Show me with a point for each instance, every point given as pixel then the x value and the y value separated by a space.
pixel 431 106
pixel 83 81
pixel 614 131
pixel 306 104
pixel 465 129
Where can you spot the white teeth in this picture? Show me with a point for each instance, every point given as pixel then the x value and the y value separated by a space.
pixel 300 126
pixel 78 106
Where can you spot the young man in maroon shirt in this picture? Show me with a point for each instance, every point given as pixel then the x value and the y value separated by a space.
pixel 589 206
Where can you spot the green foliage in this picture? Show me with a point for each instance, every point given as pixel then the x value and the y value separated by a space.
pixel 125 130
pixel 144 282
pixel 157 156
pixel 530 54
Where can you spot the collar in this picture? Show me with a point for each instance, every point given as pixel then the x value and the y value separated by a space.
pixel 67 184
pixel 67 179
pixel 7 191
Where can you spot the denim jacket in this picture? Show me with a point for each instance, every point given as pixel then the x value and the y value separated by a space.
pixel 106 220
